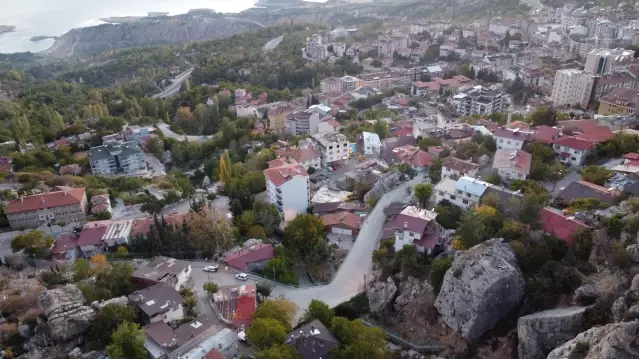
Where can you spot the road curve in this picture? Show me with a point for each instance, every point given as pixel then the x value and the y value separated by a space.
pixel 174 88
pixel 356 268
pixel 166 130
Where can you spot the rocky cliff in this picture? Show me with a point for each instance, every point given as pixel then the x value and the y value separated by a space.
pixel 483 285
pixel 541 332
pixel 67 316
pixel 96 39
pixel 612 341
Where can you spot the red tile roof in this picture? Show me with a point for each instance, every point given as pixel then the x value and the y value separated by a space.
pixel 491 126
pixel 246 305
pixel 142 226
pixel 428 241
pixel 545 134
pixel 459 165
pixel 573 142
pixel 64 242
pixel 92 234
pixel 514 159
pixel 510 134
pixel 406 131
pixel 414 220
pixel 631 156
pixel 622 96
pixel 565 228
pixel 214 354
pixel 587 130
pixel 282 174
pixel 53 199
pixel 413 155
pixel 345 218
pixel 243 257
pixel 519 124
pixel 298 154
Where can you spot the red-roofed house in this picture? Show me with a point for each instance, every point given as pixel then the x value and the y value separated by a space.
pixel 572 150
pixel 246 305
pixel 62 204
pixel 422 89
pixel 287 189
pixel 414 156
pixel 214 354
pixel 142 226
pixel 342 223
pixel 303 156
pixel 512 139
pixel 247 259
pixel 512 164
pixel 414 226
pixel 65 247
pixel 564 228
pixel 587 130
pixel 91 239
pixel 545 134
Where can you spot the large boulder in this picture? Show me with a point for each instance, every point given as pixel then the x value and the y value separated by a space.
pixel 585 295
pixel 483 285
pixel 67 316
pixel 612 341
pixel 619 308
pixel 415 298
pixel 381 294
pixel 541 332
pixel 634 286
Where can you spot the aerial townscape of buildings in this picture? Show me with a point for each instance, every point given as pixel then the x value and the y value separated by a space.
pixel 488 167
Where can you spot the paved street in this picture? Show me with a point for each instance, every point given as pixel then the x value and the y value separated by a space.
pixel 272 43
pixel 166 130
pixel 356 269
pixel 176 83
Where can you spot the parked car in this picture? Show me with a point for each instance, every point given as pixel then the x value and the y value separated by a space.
pixel 241 276
pixel 212 268
pixel 330 169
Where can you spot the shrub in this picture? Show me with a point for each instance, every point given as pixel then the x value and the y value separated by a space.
pixel 438 269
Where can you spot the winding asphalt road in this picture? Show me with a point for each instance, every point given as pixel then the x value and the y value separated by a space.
pixel 174 88
pixel 166 130
pixel 355 271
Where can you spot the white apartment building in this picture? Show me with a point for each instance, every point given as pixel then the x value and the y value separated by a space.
pixel 349 83
pixel 603 61
pixel 571 150
pixel 465 192
pixel 125 158
pixel 572 87
pixel 315 49
pixel 287 187
pixel 479 100
pixel 246 111
pixel 332 146
pixel 302 123
pixel 371 144
pixel 331 84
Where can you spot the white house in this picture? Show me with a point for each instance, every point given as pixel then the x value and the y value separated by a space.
pixel 512 164
pixel 453 167
pixel 414 226
pixel 465 192
pixel 332 146
pixel 572 150
pixel 371 144
pixel 287 187
pixel 511 139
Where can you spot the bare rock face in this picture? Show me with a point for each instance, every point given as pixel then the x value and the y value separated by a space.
pixel 633 252
pixel 413 292
pixel 634 286
pixel 585 295
pixel 541 332
pixel 482 286
pixel 612 341
pixel 381 294
pixel 67 316
pixel 123 300
pixel 618 309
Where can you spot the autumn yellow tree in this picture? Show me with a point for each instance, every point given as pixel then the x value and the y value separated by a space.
pixel 98 260
pixel 210 230
pixel 225 168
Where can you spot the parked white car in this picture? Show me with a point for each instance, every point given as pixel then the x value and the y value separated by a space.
pixel 241 276
pixel 212 268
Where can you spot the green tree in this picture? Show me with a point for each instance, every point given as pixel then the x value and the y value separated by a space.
pixel 280 309
pixel 278 352
pixel 438 270
pixel 33 242
pixel 110 317
pixel 81 269
pixel 435 171
pixel 472 229
pixel 211 287
pixel 127 342
pixel 155 147
pixel 494 178
pixel 305 236
pixel 266 332
pixel 596 174
pixel 320 311
pixel 359 340
pixel 422 193
pixel 225 168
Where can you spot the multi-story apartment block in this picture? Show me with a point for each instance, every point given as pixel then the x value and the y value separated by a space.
pixel 385 81
pixel 137 133
pixel 315 49
pixel 349 83
pixel 572 87
pixel 572 150
pixel 302 123
pixel 62 204
pixel 332 146
pixel 607 83
pixel 331 84
pixel 621 101
pixel 479 100
pixel 307 157
pixel 603 61
pixel 287 187
pixel 277 117
pixel 111 158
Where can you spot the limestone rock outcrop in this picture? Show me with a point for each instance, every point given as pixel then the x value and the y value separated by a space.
pixel 633 252
pixel 67 316
pixel 585 295
pixel 541 332
pixel 381 294
pixel 612 341
pixel 483 285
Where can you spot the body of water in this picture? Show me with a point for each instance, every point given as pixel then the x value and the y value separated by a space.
pixel 55 17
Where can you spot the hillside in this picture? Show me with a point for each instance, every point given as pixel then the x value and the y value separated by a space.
pixel 179 29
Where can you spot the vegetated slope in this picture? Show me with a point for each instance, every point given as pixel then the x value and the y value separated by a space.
pixel 96 39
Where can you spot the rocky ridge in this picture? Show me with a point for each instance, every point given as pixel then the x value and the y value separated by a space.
pixel 612 341
pixel 67 316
